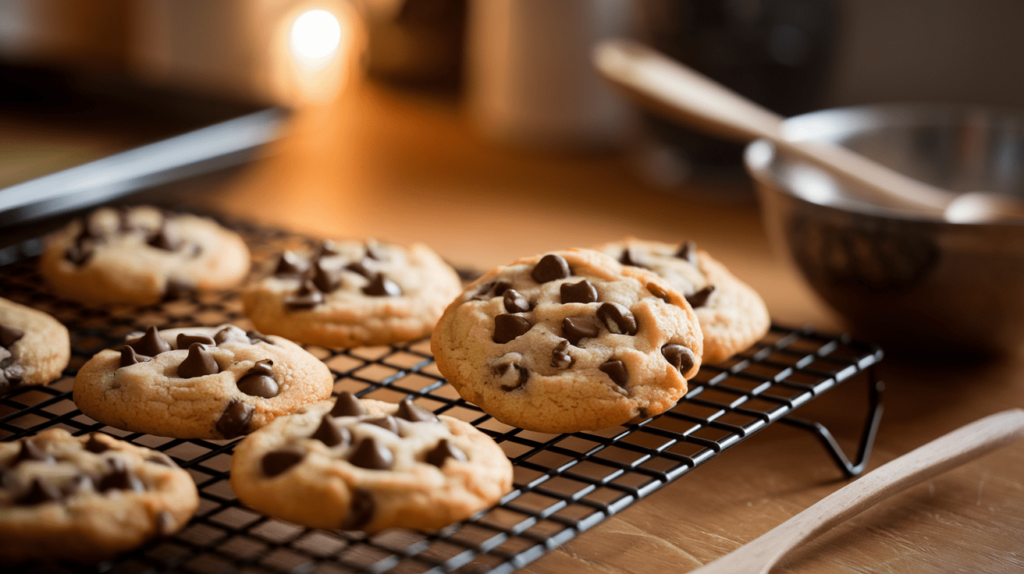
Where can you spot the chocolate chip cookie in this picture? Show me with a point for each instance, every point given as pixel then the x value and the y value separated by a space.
pixel 140 256
pixel 368 465
pixel 199 382
pixel 34 347
pixel 732 315
pixel 86 498
pixel 569 341
pixel 351 293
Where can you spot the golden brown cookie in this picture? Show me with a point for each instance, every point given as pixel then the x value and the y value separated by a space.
pixel 87 498
pixel 34 347
pixel 569 341
pixel 199 382
pixel 369 465
pixel 732 315
pixel 141 255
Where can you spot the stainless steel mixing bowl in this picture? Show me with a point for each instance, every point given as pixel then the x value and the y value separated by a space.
pixel 896 277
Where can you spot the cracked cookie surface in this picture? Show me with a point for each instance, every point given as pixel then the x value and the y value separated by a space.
pixel 368 465
pixel 732 315
pixel 199 382
pixel 34 347
pixel 87 498
pixel 569 341
pixel 140 256
pixel 352 293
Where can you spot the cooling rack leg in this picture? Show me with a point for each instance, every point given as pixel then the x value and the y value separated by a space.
pixel 867 438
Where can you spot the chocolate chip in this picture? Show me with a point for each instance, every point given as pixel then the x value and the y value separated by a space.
pixel 120 477
pixel 289 265
pixel 700 298
pixel 627 258
pixel 522 375
pixel 234 421
pixel 326 281
pixel 658 292
pixel 361 511
pixel 325 249
pixel 185 341
pixel 224 335
pixel 582 292
pixel 688 251
pixel 259 380
pixel 515 302
pixel 576 328
pixel 347 405
pixel 508 327
pixel 91 229
pixel 373 251
pixel 492 289
pixel 560 357
pixel 679 357
pixel 11 375
pixel 643 413
pixel 78 483
pixel 615 369
pixel 382 286
pixel 256 337
pixel 32 451
pixel 79 255
pixel 165 524
pixel 372 454
pixel 165 239
pixel 198 363
pixel 307 297
pixel 329 434
pixel 386 422
pixel 129 357
pixel 151 344
pixel 414 413
pixel 178 289
pixel 39 491
pixel 9 335
pixel 278 461
pixel 442 452
pixel 360 268
pixel 95 445
pixel 549 268
pixel 617 318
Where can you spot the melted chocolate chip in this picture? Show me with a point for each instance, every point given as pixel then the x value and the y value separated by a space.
pixel 500 287
pixel 235 419
pixel 289 265
pixel 515 302
pixel 549 268
pixel 120 477
pixel 508 327
pixel 32 451
pixel 95 445
pixel 679 357
pixel 331 435
pixel 278 461
pixel 326 281
pixel 560 357
pixel 256 337
pixel 79 255
pixel 361 512
pixel 39 491
pixel 9 335
pixel 688 251
pixel 442 452
pixel 617 319
pixel 382 286
pixel 523 375
pixel 492 289
pixel 307 297
pixel 347 405
pixel 700 298
pixel 386 422
pixel 414 413
pixel 185 341
pixel 165 239
pixel 576 328
pixel 198 363
pixel 627 258
pixel 615 369
pixel 658 292
pixel 582 292
pixel 259 380
pixel 360 268
pixel 151 344
pixel 372 454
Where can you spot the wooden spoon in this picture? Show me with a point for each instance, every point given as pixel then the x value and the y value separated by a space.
pixel 936 457
pixel 693 99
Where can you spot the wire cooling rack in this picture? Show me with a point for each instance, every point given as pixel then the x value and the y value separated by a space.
pixel 563 484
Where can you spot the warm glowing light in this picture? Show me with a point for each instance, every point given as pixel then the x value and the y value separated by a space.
pixel 315 34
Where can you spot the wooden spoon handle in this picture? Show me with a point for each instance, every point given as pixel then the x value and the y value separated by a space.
pixel 680 93
pixel 943 453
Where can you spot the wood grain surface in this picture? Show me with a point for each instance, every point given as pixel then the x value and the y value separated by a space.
pixel 403 167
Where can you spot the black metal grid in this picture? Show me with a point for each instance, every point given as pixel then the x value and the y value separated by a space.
pixel 563 484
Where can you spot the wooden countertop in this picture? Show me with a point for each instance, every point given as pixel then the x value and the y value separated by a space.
pixel 408 168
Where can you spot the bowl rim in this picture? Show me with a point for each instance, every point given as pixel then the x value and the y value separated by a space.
pixel 759 154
